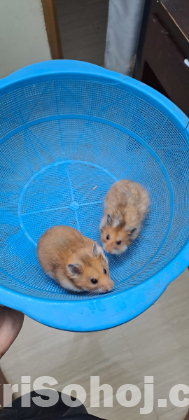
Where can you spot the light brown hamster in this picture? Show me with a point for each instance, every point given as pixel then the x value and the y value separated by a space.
pixel 125 207
pixel 77 263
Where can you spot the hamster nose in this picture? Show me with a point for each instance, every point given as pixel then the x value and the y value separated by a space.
pixel 109 287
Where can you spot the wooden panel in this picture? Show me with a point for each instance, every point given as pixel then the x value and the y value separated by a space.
pixel 51 21
pixel 167 63
pixel 175 18
pixel 179 12
pixel 83 26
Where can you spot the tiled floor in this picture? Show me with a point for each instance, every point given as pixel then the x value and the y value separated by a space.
pixel 83 25
pixel 154 344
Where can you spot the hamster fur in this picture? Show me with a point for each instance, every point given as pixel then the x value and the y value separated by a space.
pixel 125 207
pixel 75 262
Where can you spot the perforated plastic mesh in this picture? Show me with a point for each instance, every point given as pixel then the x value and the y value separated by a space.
pixel 58 171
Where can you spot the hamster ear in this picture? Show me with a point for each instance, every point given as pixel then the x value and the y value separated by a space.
pixel 74 269
pixel 109 219
pixel 95 250
pixel 132 231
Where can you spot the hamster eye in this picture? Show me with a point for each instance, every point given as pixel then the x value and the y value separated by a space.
pixel 108 237
pixel 94 281
pixel 105 272
pixel 118 242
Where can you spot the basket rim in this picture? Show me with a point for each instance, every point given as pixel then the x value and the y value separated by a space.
pixel 72 68
pixel 109 310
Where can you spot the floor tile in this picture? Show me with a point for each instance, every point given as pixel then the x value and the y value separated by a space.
pixel 175 414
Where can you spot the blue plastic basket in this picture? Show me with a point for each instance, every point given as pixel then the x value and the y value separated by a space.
pixel 68 131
